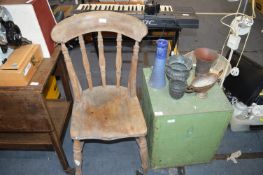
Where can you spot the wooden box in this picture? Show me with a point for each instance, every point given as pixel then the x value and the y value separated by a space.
pixel 185 131
pixel 21 66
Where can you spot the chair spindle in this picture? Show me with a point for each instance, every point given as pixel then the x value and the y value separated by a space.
pixel 118 59
pixel 85 61
pixel 133 71
pixel 102 59
pixel 72 74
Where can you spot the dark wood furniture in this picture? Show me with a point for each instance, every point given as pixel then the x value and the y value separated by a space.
pixel 106 112
pixel 28 120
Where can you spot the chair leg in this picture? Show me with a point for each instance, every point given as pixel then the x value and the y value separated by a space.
pixel 141 141
pixel 77 151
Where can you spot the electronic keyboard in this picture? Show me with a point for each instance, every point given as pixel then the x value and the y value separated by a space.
pixel 167 17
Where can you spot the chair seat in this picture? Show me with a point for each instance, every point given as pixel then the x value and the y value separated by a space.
pixel 107 113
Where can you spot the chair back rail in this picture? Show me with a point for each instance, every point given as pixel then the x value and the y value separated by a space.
pixel 77 90
pixel 85 61
pixel 102 59
pixel 78 25
pixel 118 59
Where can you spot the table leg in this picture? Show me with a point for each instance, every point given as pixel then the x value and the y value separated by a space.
pixel 62 72
pixel 175 39
pixel 60 152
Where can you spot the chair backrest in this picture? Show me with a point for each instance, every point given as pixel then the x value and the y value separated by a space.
pixel 77 25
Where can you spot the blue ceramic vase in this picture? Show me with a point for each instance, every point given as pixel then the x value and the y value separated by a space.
pixel 157 79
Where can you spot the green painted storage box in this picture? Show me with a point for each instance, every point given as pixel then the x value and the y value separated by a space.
pixel 185 131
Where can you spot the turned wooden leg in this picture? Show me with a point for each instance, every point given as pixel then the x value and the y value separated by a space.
pixel 141 141
pixel 77 151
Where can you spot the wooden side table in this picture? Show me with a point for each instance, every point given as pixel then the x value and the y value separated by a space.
pixel 28 120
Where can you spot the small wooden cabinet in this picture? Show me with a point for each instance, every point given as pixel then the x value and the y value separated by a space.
pixel 28 120
pixel 185 131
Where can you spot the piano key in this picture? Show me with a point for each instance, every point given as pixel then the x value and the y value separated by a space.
pixel 103 7
pixel 112 8
pixel 100 7
pixel 168 8
pixel 87 8
pixel 90 7
pixel 80 7
pixel 162 8
pixel 125 7
pixel 116 7
pixel 119 7
pixel 96 7
pixel 107 7
pixel 140 8
pixel 171 8
pixel 93 7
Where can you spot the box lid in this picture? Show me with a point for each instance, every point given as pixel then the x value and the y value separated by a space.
pixel 19 57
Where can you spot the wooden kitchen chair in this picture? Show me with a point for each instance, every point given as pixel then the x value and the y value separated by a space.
pixel 105 112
